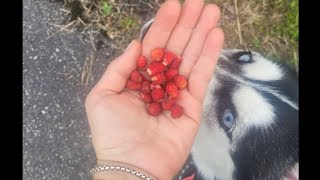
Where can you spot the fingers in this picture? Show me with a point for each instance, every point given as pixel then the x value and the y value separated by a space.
pixel 161 28
pixel 202 71
pixel 115 77
pixel 200 54
pixel 208 20
pixel 181 33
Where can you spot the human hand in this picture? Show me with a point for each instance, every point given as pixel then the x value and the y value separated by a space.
pixel 121 128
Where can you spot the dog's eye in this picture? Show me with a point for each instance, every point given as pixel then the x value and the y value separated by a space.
pixel 245 57
pixel 228 119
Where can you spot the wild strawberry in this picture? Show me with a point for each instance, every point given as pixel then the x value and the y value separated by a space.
pixel 141 62
pixel 168 103
pixel 154 109
pixel 176 111
pixel 158 78
pixel 157 54
pixel 155 69
pixel 168 58
pixel 153 85
pixel 145 86
pixel 157 93
pixel 180 81
pixel 172 90
pixel 137 76
pixel 159 86
pixel 132 85
pixel 176 63
pixel 146 97
pixel 171 73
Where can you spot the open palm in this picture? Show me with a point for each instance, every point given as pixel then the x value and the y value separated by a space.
pixel 121 128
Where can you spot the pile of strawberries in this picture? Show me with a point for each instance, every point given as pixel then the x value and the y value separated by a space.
pixel 160 89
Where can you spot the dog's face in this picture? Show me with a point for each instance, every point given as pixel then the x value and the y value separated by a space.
pixel 249 128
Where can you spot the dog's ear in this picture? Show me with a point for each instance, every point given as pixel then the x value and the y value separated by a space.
pixel 145 29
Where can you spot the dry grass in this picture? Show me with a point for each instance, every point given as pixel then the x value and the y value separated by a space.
pixel 117 20
pixel 86 73
pixel 265 26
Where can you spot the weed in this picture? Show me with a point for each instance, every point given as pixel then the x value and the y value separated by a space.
pixel 267 26
pixel 106 8
pixel 127 23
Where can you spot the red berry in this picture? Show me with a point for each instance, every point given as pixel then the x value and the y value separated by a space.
pixel 168 58
pixel 157 54
pixel 137 76
pixel 155 68
pixel 176 63
pixel 145 86
pixel 180 81
pixel 168 103
pixel 158 78
pixel 172 90
pixel 153 85
pixel 171 73
pixel 176 111
pixel 146 97
pixel 157 93
pixel 141 62
pixel 132 85
pixel 154 109
pixel 160 87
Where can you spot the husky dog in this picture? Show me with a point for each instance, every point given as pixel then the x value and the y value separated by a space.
pixel 249 129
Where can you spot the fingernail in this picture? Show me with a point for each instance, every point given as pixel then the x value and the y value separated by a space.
pixel 130 44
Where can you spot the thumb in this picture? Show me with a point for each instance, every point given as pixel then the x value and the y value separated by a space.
pixel 115 77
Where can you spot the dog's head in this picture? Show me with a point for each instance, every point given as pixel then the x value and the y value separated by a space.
pixel 249 127
pixel 250 122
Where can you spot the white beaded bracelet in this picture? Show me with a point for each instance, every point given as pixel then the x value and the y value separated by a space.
pixel 118 168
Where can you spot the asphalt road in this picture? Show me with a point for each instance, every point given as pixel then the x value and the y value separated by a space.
pixel 56 137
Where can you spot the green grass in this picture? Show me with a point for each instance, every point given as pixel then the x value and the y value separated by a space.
pixel 106 8
pixel 127 23
pixel 256 41
pixel 290 23
pixel 268 26
pixel 287 28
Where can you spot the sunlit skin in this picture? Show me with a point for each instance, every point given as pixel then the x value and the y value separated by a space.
pixel 121 128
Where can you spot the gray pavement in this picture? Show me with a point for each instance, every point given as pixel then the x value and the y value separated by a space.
pixel 56 137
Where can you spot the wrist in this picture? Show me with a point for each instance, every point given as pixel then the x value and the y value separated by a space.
pixel 149 163
pixel 118 175
pixel 118 170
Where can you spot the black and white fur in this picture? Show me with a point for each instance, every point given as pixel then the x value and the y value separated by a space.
pixel 249 129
